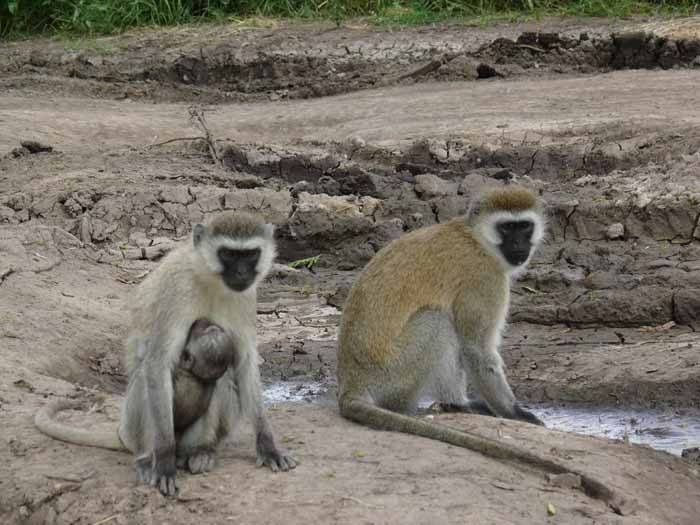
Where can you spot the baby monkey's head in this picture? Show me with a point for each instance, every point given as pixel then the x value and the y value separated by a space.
pixel 209 351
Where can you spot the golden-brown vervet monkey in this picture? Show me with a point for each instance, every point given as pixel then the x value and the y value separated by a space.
pixel 425 319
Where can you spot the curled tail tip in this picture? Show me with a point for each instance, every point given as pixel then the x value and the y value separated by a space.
pixel 46 424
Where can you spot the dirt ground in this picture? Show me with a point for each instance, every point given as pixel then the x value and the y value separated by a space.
pixel 154 130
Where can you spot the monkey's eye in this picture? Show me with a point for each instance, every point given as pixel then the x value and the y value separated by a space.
pixel 527 227
pixel 506 227
pixel 230 255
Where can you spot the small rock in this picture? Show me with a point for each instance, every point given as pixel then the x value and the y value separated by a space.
pixel 19 152
pixel 357 142
pixel 564 481
pixel 299 187
pixel 35 147
pixel 429 186
pixel 687 307
pixel 73 208
pixel 178 194
pixel 582 181
pixel 615 231
pixel 133 254
pixel 485 71
pixel 328 185
pixel 139 239
pixel 7 214
pixel 246 181
pixel 691 454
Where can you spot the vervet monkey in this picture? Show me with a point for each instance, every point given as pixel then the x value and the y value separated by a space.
pixel 214 278
pixel 425 319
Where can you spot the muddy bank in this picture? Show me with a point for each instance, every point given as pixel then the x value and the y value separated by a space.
pixel 227 64
pixel 622 247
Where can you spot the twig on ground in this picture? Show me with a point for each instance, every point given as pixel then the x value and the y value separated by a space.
pixel 197 116
pixel 175 140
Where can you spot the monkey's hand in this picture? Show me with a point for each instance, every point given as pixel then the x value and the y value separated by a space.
pixel 270 456
pixel 276 460
pixel 160 472
pixel 527 416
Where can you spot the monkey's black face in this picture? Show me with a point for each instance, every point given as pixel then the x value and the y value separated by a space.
pixel 516 240
pixel 239 267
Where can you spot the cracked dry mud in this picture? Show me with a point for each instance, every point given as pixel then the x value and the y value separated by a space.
pixel 605 126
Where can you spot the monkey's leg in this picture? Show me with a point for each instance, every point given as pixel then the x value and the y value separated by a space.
pixel 154 434
pixel 247 379
pixel 196 448
pixel 486 374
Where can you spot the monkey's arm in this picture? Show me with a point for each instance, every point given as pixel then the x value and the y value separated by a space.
pixel 161 469
pixel 250 398
pixel 483 363
pixel 147 426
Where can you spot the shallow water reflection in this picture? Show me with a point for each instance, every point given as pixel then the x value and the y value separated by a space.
pixel 670 430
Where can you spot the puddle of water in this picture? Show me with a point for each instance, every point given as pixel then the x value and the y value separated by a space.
pixel 669 430
pixel 307 391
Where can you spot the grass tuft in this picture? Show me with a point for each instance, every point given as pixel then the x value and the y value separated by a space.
pixel 96 17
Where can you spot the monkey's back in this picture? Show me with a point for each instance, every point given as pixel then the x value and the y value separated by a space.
pixel 170 283
pixel 426 268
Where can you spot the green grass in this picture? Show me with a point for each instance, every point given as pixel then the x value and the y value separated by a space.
pixel 309 262
pixel 97 17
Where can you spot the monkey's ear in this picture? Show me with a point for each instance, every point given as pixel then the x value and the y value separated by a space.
pixel 269 230
pixel 473 211
pixel 197 234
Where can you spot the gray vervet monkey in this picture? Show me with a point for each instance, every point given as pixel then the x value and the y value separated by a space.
pixel 213 278
pixel 425 318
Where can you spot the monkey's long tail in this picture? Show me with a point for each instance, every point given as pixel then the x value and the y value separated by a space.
pixel 45 422
pixel 371 415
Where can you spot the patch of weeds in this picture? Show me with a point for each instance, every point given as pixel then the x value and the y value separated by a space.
pixel 309 262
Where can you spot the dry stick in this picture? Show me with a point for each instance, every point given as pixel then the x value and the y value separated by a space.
pixel 197 115
pixel 429 67
pixel 175 140
pixel 106 520
pixel 531 48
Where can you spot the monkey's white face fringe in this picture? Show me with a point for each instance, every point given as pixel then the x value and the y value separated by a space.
pixel 209 248
pixel 486 228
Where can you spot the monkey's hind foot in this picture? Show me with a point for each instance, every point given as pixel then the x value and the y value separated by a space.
pixel 198 461
pixel 471 407
pixel 276 460
pixel 527 416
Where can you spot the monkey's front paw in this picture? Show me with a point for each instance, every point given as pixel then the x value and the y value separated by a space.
pixel 148 475
pixel 163 473
pixel 276 460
